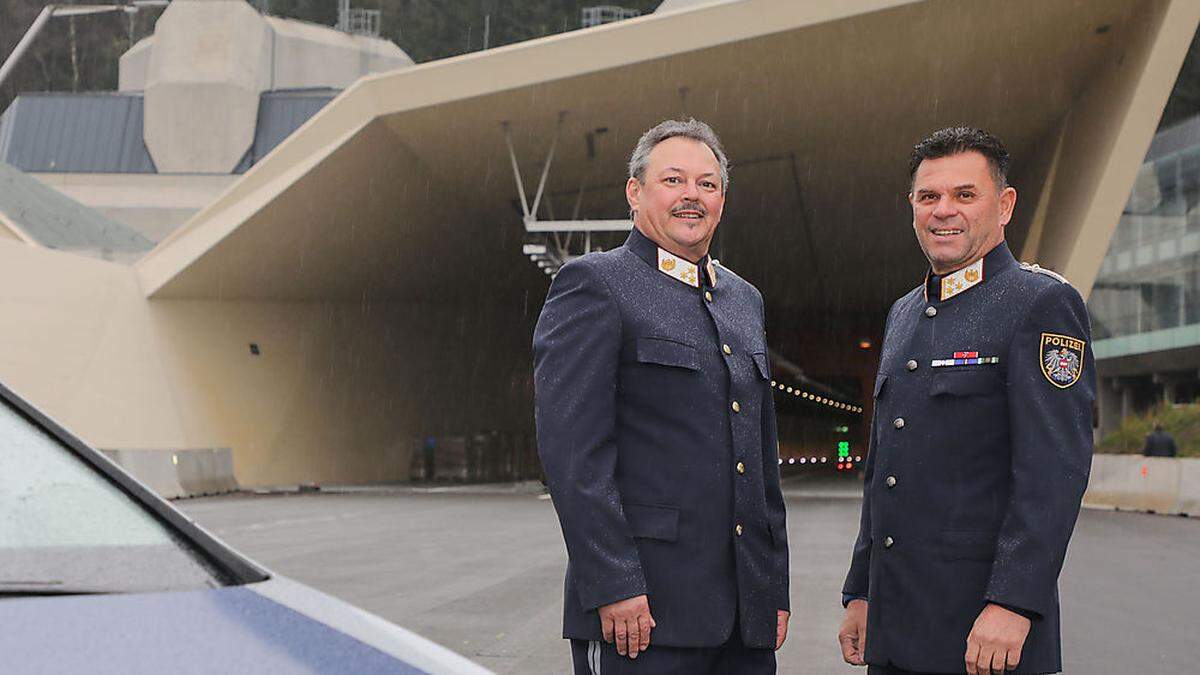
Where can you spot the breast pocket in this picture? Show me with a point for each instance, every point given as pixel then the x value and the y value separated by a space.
pixel 965 383
pixel 667 352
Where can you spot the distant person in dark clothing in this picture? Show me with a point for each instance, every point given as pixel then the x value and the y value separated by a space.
pixel 1159 444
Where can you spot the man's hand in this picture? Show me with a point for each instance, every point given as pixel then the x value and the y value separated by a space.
pixel 629 622
pixel 853 633
pixel 781 621
pixel 995 642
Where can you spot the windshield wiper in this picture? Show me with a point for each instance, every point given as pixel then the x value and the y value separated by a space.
pixel 24 587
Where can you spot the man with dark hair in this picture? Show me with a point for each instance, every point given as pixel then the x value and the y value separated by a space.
pixel 1159 443
pixel 656 428
pixel 981 441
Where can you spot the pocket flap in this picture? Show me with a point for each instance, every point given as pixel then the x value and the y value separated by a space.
pixel 764 367
pixel 964 383
pixel 879 384
pixel 968 545
pixel 667 352
pixel 652 521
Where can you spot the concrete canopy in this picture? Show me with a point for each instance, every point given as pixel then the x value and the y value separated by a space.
pixel 401 188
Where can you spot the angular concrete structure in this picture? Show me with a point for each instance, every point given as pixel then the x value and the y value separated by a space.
pixel 363 287
pixel 209 61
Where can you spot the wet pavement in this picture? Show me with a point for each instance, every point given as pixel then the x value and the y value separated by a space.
pixel 480 571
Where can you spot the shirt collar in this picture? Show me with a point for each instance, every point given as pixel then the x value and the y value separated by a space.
pixel 946 287
pixel 668 263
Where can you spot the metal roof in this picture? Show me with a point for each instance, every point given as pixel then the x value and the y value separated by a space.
pixel 102 132
pixel 76 133
pixel 56 221
pixel 279 114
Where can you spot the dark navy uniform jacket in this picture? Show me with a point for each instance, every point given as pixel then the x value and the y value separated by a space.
pixel 656 429
pixel 980 450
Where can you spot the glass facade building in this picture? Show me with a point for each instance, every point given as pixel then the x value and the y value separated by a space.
pixel 1150 278
pixel 1145 304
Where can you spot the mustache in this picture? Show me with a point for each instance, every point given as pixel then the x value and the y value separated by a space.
pixel 690 206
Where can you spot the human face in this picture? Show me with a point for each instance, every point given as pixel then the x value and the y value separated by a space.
pixel 680 203
pixel 959 214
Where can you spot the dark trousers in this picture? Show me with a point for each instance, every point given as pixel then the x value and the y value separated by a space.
pixel 891 670
pixel 601 658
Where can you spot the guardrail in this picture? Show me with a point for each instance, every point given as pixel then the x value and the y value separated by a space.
pixel 1135 483
pixel 180 473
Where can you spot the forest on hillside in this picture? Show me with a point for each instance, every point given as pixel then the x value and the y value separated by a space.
pixel 81 53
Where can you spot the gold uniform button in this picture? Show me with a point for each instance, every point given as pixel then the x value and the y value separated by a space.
pixel 890 481
pixel 738 530
pixel 708 296
pixel 912 364
pixel 888 542
pixel 741 467
pixel 726 349
pixel 736 407
pixel 931 311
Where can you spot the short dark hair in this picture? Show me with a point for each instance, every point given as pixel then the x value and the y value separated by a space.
pixel 956 140
pixel 689 128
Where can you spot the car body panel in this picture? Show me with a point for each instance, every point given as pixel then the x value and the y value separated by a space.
pixel 235 629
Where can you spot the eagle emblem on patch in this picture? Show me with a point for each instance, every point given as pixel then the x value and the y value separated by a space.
pixel 1062 359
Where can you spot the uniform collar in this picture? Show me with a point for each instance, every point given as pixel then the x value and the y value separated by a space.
pixel 948 286
pixel 672 265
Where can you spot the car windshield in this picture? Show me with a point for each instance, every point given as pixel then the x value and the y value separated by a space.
pixel 65 528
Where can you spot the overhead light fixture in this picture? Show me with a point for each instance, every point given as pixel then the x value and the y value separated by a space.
pixel 864 344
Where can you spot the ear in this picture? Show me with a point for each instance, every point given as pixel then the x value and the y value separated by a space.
pixel 633 193
pixel 1008 202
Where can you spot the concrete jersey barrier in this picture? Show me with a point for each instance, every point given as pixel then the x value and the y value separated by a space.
pixel 1159 484
pixel 180 473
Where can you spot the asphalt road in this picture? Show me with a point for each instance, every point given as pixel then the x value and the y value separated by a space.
pixel 480 571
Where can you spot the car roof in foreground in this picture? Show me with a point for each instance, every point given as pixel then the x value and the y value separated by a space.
pixel 263 622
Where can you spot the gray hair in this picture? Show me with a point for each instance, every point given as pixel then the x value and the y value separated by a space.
pixel 689 128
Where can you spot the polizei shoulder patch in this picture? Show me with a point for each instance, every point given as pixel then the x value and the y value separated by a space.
pixel 1034 267
pixel 1062 359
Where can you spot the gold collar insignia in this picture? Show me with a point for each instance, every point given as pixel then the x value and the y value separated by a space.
pixel 674 266
pixel 953 284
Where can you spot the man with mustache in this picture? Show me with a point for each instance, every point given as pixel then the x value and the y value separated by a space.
pixel 656 429
pixel 981 441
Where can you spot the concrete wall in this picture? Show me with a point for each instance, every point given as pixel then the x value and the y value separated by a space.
pixel 203 83
pixel 153 204
pixel 133 66
pixel 1158 484
pixel 308 55
pixel 207 63
pixel 336 395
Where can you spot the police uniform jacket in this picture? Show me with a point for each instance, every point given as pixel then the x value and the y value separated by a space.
pixel 656 430
pixel 980 450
